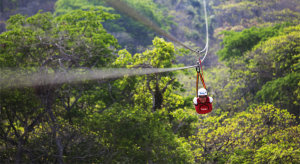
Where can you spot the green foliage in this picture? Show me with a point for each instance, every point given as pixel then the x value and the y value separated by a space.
pixel 281 147
pixel 235 44
pixel 34 41
pixel 31 117
pixel 155 93
pixel 238 15
pixel 161 56
pixel 146 119
pixel 246 136
pixel 280 52
pixel 282 92
pixel 228 93
pixel 141 34
pixel 269 59
pixel 265 68
pixel 275 65
pixel 65 6
pixel 137 136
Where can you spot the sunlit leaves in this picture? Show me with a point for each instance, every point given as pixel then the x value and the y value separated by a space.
pixel 124 60
pixel 273 56
pixel 39 42
pixel 129 30
pixel 235 44
pixel 281 146
pixel 238 137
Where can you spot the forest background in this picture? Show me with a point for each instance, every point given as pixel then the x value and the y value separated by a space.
pixel 251 71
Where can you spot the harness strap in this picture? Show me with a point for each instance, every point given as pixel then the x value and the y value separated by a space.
pixel 197 84
pixel 199 70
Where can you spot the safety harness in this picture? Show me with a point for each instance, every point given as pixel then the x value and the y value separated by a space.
pixel 199 74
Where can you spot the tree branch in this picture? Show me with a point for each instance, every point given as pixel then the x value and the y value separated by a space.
pixel 165 88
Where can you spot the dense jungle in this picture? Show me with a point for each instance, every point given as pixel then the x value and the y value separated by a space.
pixel 252 71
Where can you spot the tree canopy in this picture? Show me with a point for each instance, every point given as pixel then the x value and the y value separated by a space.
pixel 150 118
pixel 129 32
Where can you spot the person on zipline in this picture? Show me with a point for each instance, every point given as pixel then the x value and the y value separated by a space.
pixel 203 104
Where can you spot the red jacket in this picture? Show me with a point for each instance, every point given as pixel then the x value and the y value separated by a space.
pixel 203 108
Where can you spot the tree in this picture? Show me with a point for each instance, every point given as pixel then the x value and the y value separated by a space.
pixel 263 64
pixel 42 43
pixel 236 44
pixel 140 128
pixel 129 32
pixel 275 66
pixel 246 136
pixel 238 15
pixel 157 84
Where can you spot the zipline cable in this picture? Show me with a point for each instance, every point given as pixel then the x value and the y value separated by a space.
pixel 199 67
pixel 18 79
pixel 206 25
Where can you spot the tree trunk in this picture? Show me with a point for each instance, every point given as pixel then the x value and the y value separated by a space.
pixel 157 93
pixel 19 152
pixel 57 138
pixel 157 99
pixel 47 96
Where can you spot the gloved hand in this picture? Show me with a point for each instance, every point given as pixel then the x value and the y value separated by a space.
pixel 211 99
pixel 195 101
